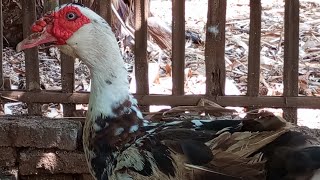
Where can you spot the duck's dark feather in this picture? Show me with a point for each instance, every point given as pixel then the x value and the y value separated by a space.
pixel 151 149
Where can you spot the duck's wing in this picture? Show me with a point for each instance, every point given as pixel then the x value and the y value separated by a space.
pixel 209 147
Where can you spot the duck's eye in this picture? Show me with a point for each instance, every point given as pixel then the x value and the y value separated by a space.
pixel 71 16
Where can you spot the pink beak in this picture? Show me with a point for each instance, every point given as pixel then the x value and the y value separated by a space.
pixel 35 39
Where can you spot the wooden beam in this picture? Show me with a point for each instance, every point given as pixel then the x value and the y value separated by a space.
pixel 171 100
pixel 254 48
pixel 178 46
pixel 291 55
pixel 67 77
pixel 215 47
pixel 31 55
pixel 140 48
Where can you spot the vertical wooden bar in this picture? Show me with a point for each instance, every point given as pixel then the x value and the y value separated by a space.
pixel 31 55
pixel 67 77
pixel 49 5
pixel 67 81
pixel 141 62
pixel 215 47
pixel 178 46
pixel 1 46
pixel 87 3
pixel 84 2
pixel 104 9
pixel 291 55
pixel 254 48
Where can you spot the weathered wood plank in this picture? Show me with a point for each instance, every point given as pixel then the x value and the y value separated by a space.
pixel 31 55
pixel 215 47
pixel 67 82
pixel 104 9
pixel 291 55
pixel 87 3
pixel 171 100
pixel 49 5
pixel 67 77
pixel 140 48
pixel 254 48
pixel 178 46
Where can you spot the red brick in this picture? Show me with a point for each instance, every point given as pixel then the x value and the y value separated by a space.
pixel 8 156
pixel 40 133
pixel 55 162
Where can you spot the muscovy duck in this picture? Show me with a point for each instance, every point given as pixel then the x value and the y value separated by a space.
pixel 119 144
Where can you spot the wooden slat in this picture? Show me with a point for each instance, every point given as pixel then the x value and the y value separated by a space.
pixel 67 77
pixel 215 47
pixel 140 48
pixel 84 2
pixel 254 48
pixel 31 55
pixel 291 55
pixel 87 3
pixel 171 100
pixel 67 82
pixel 49 5
pixel 1 46
pixel 178 46
pixel 105 9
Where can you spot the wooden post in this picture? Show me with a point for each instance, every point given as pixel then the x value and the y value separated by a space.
pixel 104 9
pixel 49 5
pixel 178 46
pixel 291 55
pixel 31 55
pixel 140 48
pixel 141 61
pixel 87 3
pixel 254 49
pixel 67 77
pixel 215 48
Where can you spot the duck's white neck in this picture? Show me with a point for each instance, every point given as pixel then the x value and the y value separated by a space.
pixel 108 91
pixel 96 45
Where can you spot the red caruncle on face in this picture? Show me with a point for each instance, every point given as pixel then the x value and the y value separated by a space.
pixel 62 23
pixel 55 27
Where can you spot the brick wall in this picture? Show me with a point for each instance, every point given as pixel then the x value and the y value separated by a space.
pixel 38 148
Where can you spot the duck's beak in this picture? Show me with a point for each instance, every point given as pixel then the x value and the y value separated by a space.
pixel 36 39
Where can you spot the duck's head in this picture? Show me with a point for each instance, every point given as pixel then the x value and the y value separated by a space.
pixel 78 31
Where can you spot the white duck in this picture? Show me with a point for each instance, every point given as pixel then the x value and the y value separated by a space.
pixel 119 144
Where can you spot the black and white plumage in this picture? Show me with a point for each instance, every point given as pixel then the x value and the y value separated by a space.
pixel 119 144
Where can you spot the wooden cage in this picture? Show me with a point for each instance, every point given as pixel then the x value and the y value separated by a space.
pixel 214 62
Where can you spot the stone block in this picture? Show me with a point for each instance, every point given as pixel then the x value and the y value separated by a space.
pixel 87 177
pixel 8 156
pixel 48 177
pixel 39 132
pixel 9 173
pixel 54 162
